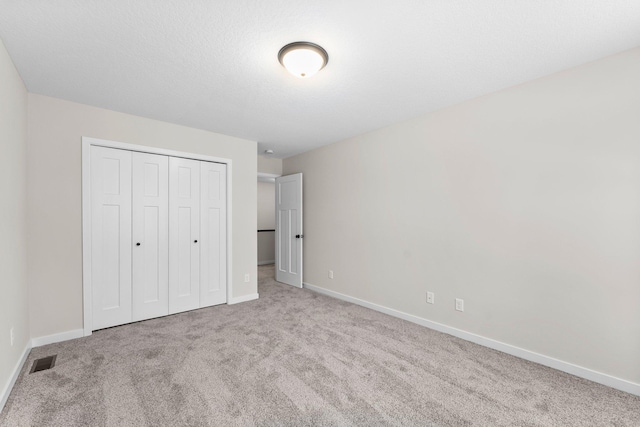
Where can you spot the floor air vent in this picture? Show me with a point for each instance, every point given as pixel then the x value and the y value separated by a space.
pixel 43 364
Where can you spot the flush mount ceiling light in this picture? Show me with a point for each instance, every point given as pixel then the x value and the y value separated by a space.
pixel 303 59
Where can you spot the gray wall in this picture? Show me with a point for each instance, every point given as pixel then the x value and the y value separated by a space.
pixel 54 199
pixel 13 213
pixel 525 203
pixel 269 165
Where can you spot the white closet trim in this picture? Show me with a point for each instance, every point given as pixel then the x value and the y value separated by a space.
pixel 86 213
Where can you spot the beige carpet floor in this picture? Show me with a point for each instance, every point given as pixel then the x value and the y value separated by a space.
pixel 297 358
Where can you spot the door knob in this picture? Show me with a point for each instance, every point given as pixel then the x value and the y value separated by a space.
pixel 138 244
pixel 299 236
pixel 195 241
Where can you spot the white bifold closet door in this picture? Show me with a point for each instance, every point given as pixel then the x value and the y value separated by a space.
pixel 197 234
pixel 184 234
pixel 213 247
pixel 110 236
pixel 150 236
pixel 158 235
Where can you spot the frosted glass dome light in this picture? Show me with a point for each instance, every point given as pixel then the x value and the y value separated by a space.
pixel 303 59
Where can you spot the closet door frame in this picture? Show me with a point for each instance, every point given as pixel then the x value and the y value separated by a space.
pixel 87 143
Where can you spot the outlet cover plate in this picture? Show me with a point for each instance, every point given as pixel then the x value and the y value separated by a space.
pixel 431 298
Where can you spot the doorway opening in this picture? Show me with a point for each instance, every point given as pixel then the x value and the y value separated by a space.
pixel 266 218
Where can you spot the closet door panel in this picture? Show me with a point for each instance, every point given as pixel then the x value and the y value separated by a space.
pixel 151 236
pixel 110 236
pixel 213 270
pixel 184 234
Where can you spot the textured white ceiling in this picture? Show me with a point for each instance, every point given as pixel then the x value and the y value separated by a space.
pixel 212 64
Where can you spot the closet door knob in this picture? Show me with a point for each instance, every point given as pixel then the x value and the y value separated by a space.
pixel 138 244
pixel 195 241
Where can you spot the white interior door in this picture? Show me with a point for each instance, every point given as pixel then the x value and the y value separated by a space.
pixel 184 234
pixel 289 229
pixel 213 243
pixel 110 236
pixel 150 236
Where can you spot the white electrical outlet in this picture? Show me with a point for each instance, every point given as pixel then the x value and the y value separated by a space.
pixel 11 334
pixel 330 274
pixel 247 278
pixel 459 304
pixel 431 298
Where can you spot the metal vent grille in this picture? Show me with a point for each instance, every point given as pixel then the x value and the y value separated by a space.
pixel 43 364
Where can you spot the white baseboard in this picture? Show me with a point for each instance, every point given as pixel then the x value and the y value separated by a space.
pixel 273 261
pixel 243 298
pixel 531 356
pixel 6 391
pixel 51 339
